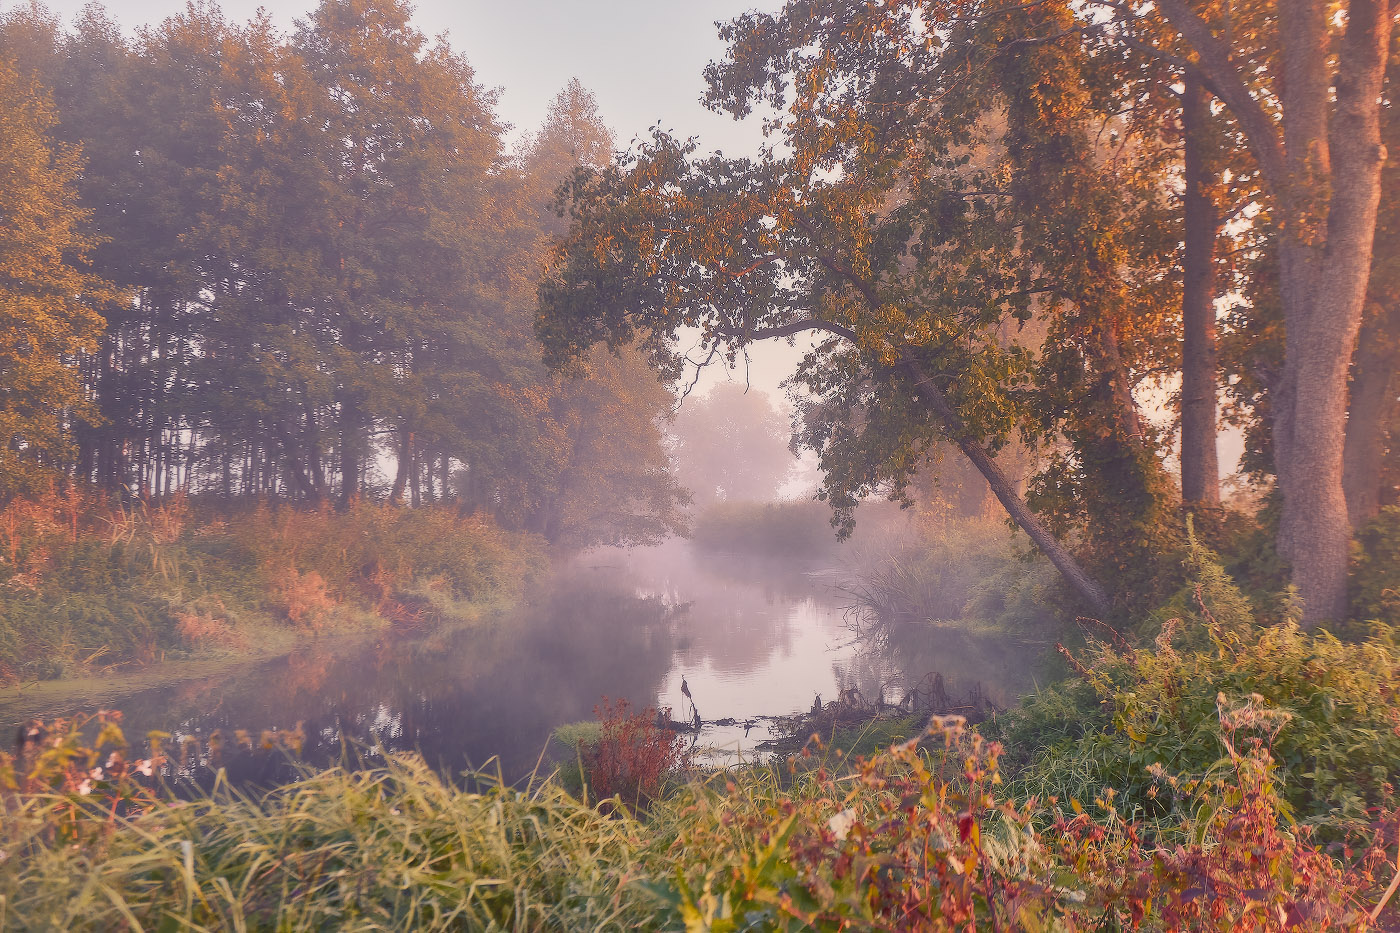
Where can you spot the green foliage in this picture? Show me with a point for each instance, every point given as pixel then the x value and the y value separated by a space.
pixel 1326 712
pixel 1376 571
pixel 973 569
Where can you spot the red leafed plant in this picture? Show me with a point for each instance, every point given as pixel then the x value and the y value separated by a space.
pixel 632 755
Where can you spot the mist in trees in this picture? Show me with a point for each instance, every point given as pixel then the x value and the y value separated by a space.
pixel 301 266
pixel 732 444
pixel 994 247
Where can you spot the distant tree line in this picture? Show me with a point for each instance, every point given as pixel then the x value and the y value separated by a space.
pixel 248 263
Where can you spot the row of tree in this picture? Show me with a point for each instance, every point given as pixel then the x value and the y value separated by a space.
pixel 299 265
pixel 1005 221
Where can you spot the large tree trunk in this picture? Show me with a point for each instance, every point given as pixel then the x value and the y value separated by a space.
pixel 1200 463
pixel 1324 290
pixel 1005 491
pixel 1374 388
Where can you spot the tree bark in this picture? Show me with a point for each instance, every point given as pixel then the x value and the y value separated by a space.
pixel 1324 177
pixel 405 464
pixel 1322 311
pixel 350 435
pixel 1200 459
pixel 1374 388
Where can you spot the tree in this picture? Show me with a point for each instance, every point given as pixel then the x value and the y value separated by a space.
pixel 922 208
pixel 1200 463
pixel 47 300
pixel 1305 88
pixel 732 445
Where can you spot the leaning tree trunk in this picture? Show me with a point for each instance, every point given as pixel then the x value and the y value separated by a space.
pixel 1374 386
pixel 1200 464
pixel 1005 491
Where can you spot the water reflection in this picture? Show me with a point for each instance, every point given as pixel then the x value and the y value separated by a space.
pixel 751 637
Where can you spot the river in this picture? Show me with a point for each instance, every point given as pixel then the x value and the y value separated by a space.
pixel 752 638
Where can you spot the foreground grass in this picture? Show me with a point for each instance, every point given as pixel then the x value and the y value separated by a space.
pixel 390 849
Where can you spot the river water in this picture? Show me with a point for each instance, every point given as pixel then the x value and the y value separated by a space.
pixel 752 638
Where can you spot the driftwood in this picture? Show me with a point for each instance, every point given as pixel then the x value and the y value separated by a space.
pixel 929 697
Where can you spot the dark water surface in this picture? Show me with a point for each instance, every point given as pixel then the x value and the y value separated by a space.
pixel 752 638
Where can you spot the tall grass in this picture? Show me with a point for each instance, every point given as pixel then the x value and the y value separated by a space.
pixel 87 583
pixel 920 836
pixel 396 848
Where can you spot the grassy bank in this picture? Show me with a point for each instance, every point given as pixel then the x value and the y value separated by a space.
pixel 89 586
pixel 1220 776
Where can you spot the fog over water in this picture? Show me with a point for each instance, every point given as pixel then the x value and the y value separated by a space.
pixel 753 638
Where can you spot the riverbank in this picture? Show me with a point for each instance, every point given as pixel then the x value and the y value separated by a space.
pixel 1187 802
pixel 66 696
pixel 89 589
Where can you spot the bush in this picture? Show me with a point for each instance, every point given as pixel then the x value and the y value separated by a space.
pixel 926 839
pixel 970 569
pixel 1334 738
pixel 630 755
pixel 1376 576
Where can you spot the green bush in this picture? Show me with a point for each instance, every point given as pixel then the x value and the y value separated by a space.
pixel 1326 710
pixel 973 569
pixel 1376 575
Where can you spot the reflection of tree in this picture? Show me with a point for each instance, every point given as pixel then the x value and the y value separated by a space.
pixel 458 697
pixel 739 610
pixel 732 445
pixel 905 653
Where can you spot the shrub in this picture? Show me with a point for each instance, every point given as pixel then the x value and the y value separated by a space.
pixel 1376 576
pixel 631 755
pixel 85 583
pixel 1337 748
pixel 926 839
pixel 968 569
pixel 772 529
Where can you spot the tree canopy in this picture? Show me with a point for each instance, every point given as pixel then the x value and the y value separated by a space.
pixel 322 258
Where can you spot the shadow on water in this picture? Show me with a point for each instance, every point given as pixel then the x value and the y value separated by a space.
pixel 752 637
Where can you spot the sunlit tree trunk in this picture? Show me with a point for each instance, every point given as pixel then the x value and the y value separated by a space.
pixel 1374 389
pixel 1200 464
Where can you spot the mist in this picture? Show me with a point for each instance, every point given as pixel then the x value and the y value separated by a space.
pixel 625 466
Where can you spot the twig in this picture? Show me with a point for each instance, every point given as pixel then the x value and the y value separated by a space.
pixel 1390 891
